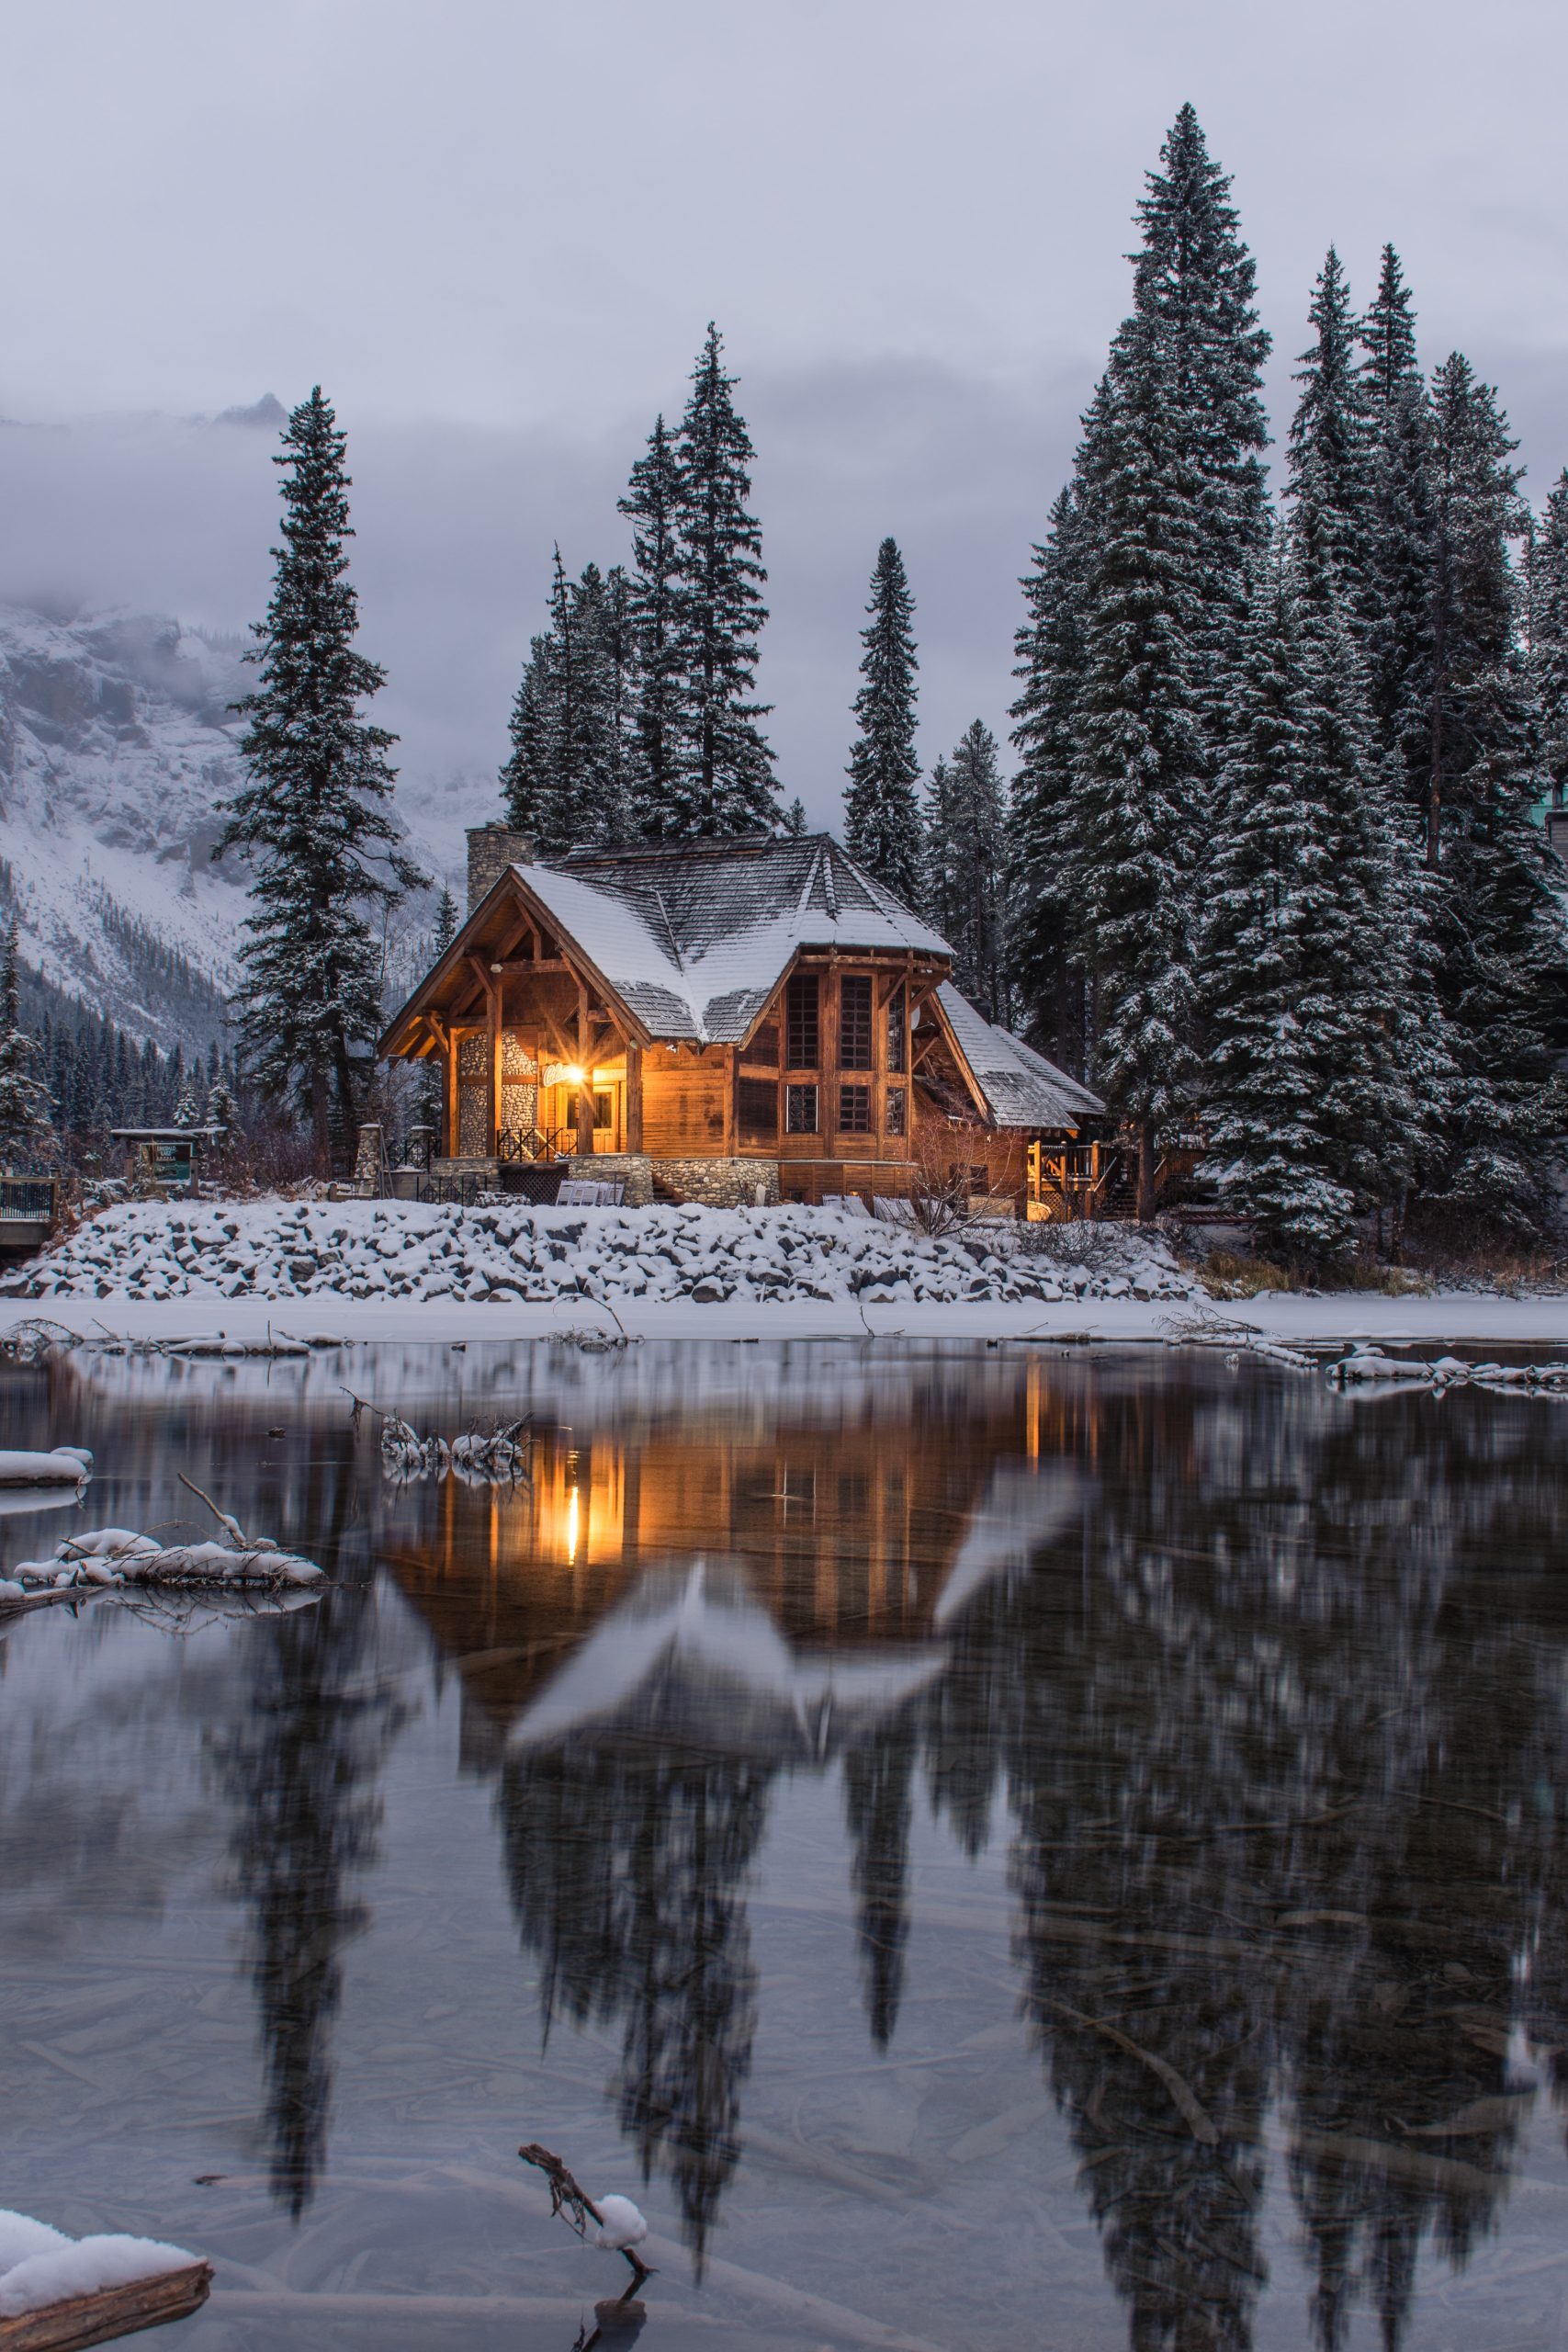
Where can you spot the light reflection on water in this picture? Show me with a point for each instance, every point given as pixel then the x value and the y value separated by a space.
pixel 1057 1848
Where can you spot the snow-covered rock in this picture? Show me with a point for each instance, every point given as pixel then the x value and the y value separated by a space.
pixel 406 1250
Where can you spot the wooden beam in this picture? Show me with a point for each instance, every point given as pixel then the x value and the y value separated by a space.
pixel 634 1097
pixel 585 1091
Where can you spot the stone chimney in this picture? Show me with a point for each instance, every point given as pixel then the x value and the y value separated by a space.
pixel 493 848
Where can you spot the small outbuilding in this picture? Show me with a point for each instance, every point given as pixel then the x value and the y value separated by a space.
pixel 171 1158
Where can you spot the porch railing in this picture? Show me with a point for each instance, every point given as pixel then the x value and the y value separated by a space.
pixel 536 1143
pixel 27 1197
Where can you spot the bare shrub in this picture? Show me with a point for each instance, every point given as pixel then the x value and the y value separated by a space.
pixel 946 1156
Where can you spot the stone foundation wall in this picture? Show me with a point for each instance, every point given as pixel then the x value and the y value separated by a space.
pixel 632 1168
pixel 722 1183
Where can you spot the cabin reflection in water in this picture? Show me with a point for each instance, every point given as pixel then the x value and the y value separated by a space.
pixel 675 1612
pixel 776 1574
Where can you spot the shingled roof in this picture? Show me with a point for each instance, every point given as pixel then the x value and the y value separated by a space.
pixel 696 938
pixel 1021 1086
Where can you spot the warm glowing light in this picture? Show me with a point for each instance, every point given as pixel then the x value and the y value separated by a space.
pixel 571 1519
pixel 575 1077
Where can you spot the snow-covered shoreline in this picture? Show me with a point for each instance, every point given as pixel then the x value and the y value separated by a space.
pixel 362 1271
pixel 1459 1318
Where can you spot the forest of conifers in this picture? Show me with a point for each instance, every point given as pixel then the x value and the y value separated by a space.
pixel 1269 873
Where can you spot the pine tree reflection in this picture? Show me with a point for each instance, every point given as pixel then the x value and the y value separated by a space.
pixel 301 1772
pixel 1285 1845
pixel 877 1775
pixel 1281 1637
pixel 627 1865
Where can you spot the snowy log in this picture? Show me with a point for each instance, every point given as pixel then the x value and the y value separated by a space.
pixel 59 2293
pixel 118 1556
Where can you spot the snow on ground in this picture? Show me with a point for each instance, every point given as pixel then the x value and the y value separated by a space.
pixel 403 1271
pixel 320 1251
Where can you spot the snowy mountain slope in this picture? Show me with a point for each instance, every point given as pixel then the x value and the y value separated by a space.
pixel 116 750
pixel 118 747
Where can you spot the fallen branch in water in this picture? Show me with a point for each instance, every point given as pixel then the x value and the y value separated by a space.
pixel 115 1556
pixel 1201 1327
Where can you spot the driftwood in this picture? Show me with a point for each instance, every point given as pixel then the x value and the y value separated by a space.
pixel 83 2320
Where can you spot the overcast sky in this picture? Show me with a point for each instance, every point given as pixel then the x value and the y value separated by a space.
pixel 495 231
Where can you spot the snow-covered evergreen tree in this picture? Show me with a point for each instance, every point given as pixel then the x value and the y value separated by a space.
pixel 1194 288
pixel 1387 337
pixel 1331 445
pixel 1044 949
pixel 721 781
pixel 222 1110
pixel 964 866
pixel 25 1108
pixel 1548 639
pixel 565 782
pixel 795 818
pixel 1135 608
pixel 882 809
pixel 1499 921
pixel 1272 944
pixel 1385 1064
pixel 187 1109
pixel 1140 796
pixel 1400 574
pixel 312 816
pixel 652 502
pixel 938 895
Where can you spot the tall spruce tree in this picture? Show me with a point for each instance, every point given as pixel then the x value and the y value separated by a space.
pixel 1269 963
pixel 25 1104
pixel 1386 1068
pixel 1044 949
pixel 566 782
pixel 1134 609
pixel 882 809
pixel 1388 338
pixel 1139 779
pixel 1548 639
pixel 1331 445
pixel 1498 925
pixel 722 780
pixel 964 866
pixel 312 817
pixel 652 502
pixel 1194 290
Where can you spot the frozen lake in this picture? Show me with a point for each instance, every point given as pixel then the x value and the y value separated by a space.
pixel 990 1846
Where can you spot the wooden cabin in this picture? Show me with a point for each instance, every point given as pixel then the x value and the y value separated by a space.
pixel 729 1020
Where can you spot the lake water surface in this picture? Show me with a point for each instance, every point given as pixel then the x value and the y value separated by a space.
pixel 991 1848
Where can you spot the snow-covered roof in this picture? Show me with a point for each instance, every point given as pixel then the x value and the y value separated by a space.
pixel 1021 1086
pixel 696 938
pixel 696 1642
